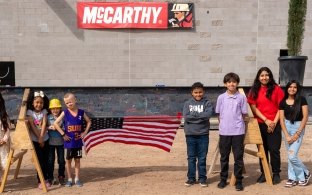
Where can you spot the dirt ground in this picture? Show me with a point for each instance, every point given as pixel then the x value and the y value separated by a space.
pixel 112 168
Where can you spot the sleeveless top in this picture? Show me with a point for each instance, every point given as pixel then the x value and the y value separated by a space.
pixel 73 126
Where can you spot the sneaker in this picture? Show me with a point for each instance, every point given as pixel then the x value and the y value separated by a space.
pixel 261 179
pixel 61 180
pixel 40 186
pixel 188 183
pixel 203 183
pixel 276 178
pixel 78 183
pixel 69 184
pixel 302 183
pixel 290 183
pixel 52 181
pixel 307 179
pixel 47 183
pixel 222 184
pixel 239 186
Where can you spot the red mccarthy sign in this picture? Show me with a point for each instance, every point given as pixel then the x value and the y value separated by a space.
pixel 134 15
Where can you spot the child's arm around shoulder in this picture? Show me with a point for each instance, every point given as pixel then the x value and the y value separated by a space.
pixel 88 121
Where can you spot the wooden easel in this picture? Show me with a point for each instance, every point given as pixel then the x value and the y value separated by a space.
pixel 21 142
pixel 252 136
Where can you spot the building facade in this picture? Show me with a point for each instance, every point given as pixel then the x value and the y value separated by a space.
pixel 41 38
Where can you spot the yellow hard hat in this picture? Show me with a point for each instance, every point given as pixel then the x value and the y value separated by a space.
pixel 55 103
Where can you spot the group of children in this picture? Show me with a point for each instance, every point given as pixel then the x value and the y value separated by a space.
pixel 52 129
pixel 275 113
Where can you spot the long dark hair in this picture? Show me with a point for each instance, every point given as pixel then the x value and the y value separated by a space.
pixel 256 84
pixel 3 114
pixel 297 102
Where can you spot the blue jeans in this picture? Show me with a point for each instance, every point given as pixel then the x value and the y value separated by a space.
pixel 296 169
pixel 197 149
pixel 60 161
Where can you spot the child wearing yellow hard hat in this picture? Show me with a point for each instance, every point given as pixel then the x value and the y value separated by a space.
pixel 56 144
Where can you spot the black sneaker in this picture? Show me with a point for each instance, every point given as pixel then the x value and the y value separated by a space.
pixel 61 180
pixel 222 184
pixel 261 179
pixel 203 183
pixel 276 178
pixel 239 186
pixel 290 183
pixel 189 183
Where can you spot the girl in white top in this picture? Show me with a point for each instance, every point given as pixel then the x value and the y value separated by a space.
pixel 37 106
pixel 4 134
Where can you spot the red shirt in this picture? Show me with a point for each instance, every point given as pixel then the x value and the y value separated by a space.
pixel 187 21
pixel 267 107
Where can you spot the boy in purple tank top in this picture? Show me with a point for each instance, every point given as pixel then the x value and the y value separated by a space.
pixel 232 109
pixel 73 135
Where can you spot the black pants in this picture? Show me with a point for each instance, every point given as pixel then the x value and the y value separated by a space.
pixel 272 144
pixel 42 154
pixel 236 144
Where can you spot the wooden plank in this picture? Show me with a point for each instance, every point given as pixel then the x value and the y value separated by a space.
pixel 253 135
pixel 23 109
pixel 18 166
pixel 250 113
pixel 18 156
pixel 20 137
pixel 251 152
pixel 6 170
pixel 265 165
pixel 214 159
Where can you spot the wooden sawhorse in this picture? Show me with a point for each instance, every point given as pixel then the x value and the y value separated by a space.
pixel 21 141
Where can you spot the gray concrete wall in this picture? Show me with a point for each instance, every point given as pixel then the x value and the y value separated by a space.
pixel 41 37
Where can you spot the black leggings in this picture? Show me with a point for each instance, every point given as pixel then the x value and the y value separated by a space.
pixel 42 154
pixel 272 144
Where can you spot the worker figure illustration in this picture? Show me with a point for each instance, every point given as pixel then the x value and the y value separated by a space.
pixel 182 16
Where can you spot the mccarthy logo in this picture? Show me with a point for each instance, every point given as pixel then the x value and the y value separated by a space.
pixel 122 15
pixel 113 15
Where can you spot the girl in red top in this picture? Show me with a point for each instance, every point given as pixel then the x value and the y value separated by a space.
pixel 264 98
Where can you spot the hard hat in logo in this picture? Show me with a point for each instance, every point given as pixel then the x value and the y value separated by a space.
pixel 180 8
pixel 55 103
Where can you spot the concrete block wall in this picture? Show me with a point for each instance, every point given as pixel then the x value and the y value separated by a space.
pixel 42 39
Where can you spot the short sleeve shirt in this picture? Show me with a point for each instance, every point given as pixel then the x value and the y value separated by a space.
pixel 268 107
pixel 288 109
pixel 37 118
pixel 231 109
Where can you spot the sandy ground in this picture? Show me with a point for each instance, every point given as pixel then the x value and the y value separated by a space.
pixel 112 168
